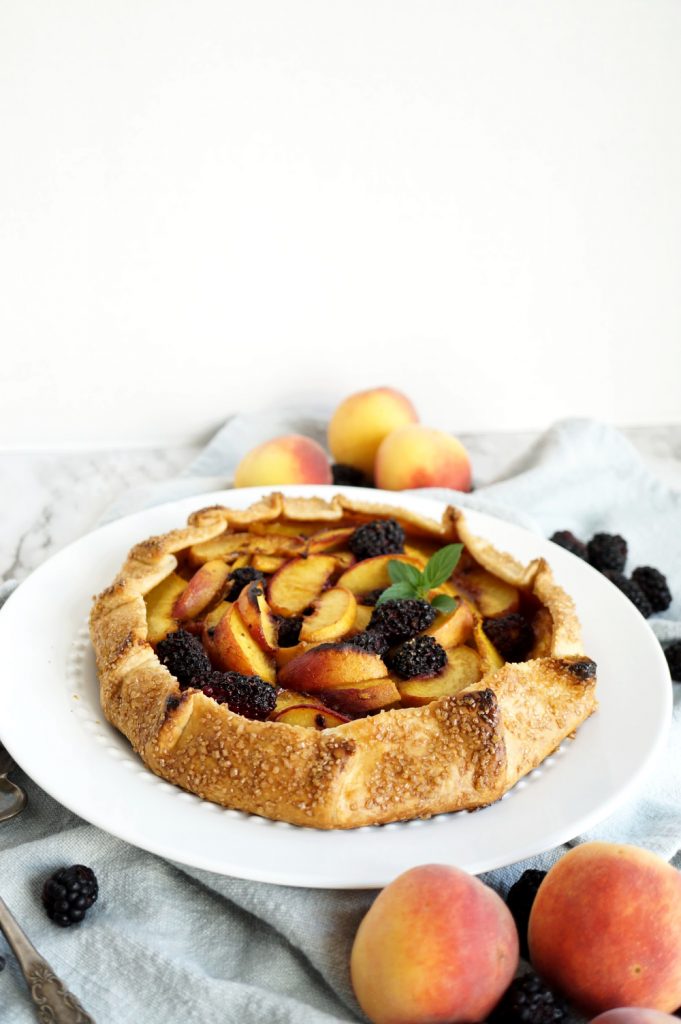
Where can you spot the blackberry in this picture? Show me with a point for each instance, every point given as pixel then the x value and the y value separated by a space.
pixel 512 635
pixel 288 630
pixel 519 901
pixel 69 893
pixel 607 551
pixel 421 656
pixel 654 586
pixel 566 539
pixel 379 537
pixel 249 696
pixel 401 620
pixel 348 476
pixel 632 590
pixel 673 656
pixel 239 578
pixel 371 597
pixel 183 655
pixel 371 640
pixel 528 1000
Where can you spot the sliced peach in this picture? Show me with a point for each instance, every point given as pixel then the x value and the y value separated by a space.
pixel 226 546
pixel 283 655
pixel 489 655
pixel 160 603
pixel 311 716
pixel 329 666
pixel 212 618
pixel 208 627
pixel 291 698
pixel 492 596
pixel 194 626
pixel 267 563
pixel 333 615
pixel 328 540
pixel 239 562
pixel 453 628
pixel 344 559
pixel 236 650
pixel 203 587
pixel 278 545
pixel 209 646
pixel 363 613
pixel 283 529
pixel 363 696
pixel 372 573
pixel 298 583
pixel 463 668
pixel 258 616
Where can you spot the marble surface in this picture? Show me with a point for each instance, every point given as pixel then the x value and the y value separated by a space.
pixel 52 498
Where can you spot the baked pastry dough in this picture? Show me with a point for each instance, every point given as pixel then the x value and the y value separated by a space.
pixel 461 751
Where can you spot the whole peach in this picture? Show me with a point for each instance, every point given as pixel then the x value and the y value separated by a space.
pixel 605 928
pixel 361 421
pixel 436 946
pixel 634 1015
pixel 291 459
pixel 416 456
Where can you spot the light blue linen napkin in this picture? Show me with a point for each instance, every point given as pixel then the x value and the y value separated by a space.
pixel 168 944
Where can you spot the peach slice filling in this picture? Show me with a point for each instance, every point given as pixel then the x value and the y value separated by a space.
pixel 235 649
pixel 258 617
pixel 372 573
pixel 160 603
pixel 462 670
pixel 332 616
pixel 202 589
pixel 493 597
pixel 324 679
pixel 298 583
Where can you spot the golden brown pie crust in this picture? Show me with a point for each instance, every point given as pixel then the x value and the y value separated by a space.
pixel 458 752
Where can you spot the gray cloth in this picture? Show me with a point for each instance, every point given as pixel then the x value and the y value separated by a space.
pixel 173 945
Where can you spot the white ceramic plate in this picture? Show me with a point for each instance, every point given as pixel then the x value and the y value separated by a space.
pixel 51 722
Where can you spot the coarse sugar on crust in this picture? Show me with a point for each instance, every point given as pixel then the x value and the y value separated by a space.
pixel 458 752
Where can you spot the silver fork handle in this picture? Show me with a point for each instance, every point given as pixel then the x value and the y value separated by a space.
pixel 53 1001
pixel 12 799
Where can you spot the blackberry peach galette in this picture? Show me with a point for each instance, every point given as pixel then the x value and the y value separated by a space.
pixel 337 664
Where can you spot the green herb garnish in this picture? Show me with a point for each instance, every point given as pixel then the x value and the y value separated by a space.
pixel 410 582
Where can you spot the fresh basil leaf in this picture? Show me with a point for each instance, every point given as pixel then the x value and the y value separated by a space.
pixel 403 572
pixel 398 592
pixel 441 566
pixel 444 603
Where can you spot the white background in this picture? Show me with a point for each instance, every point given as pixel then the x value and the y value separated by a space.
pixel 211 206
